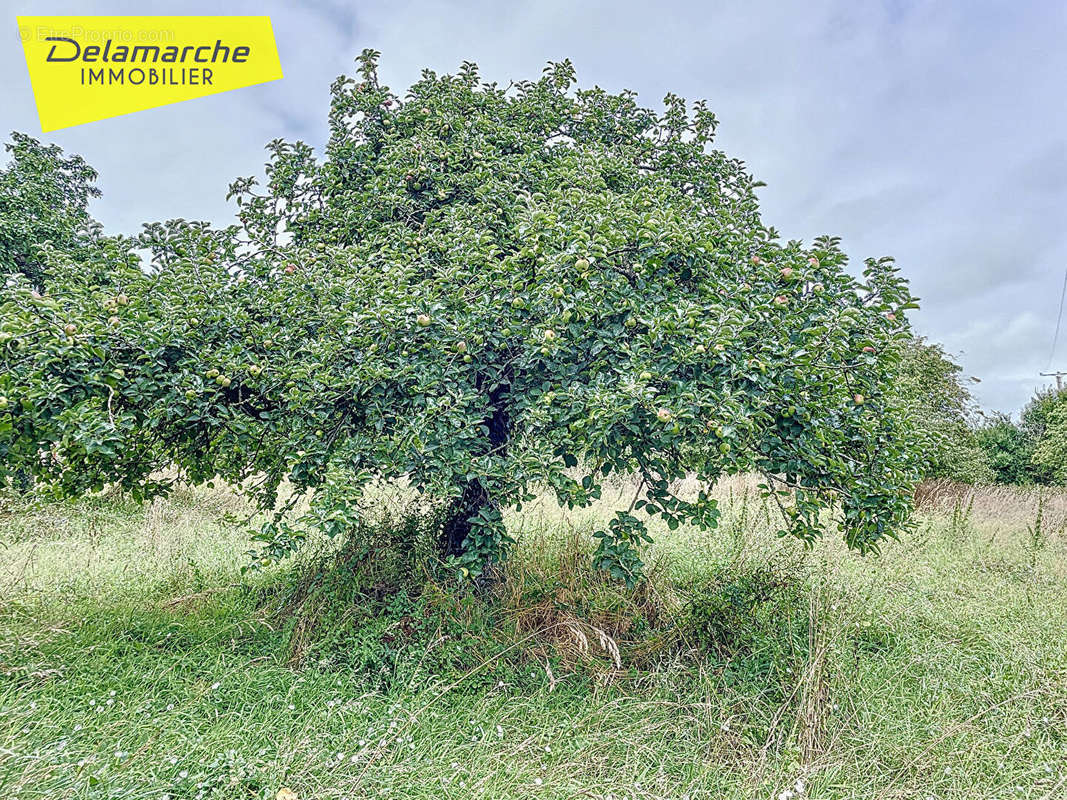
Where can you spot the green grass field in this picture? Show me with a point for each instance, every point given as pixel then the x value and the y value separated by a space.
pixel 137 661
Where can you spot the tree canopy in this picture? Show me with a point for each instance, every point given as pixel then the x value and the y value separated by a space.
pixel 483 290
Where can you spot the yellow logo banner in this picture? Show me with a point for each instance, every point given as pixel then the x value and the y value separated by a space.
pixel 87 68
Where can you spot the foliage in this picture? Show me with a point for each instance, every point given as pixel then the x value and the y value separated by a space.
pixel 1050 455
pixel 1041 422
pixel 935 393
pixel 483 290
pixel 44 198
pixel 1007 450
pixel 749 612
pixel 1034 451
pixel 1037 414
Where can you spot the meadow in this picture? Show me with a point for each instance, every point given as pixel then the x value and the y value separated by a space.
pixel 138 659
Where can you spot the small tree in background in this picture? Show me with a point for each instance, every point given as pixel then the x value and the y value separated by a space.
pixel 1041 422
pixel 1037 414
pixel 486 291
pixel 44 203
pixel 1050 454
pixel 932 388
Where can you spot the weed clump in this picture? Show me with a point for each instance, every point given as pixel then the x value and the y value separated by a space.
pixel 382 606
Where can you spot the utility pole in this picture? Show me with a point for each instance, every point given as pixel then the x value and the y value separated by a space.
pixel 1057 375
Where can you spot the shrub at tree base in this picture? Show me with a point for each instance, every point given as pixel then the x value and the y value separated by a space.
pixel 485 290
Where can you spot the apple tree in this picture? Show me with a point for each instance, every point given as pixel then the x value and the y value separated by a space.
pixel 487 291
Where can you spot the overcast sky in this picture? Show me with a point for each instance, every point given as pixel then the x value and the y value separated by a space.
pixel 935 132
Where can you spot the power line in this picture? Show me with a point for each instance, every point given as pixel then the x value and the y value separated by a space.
pixel 1059 319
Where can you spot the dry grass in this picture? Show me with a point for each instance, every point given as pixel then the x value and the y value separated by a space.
pixel 1004 505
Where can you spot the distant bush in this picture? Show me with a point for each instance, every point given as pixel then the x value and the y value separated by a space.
pixel 1034 451
pixel 1007 450
pixel 961 444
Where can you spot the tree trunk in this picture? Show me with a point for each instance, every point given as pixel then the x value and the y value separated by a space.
pixel 458 522
pixel 475 496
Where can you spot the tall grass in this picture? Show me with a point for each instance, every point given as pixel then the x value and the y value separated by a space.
pixel 136 660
